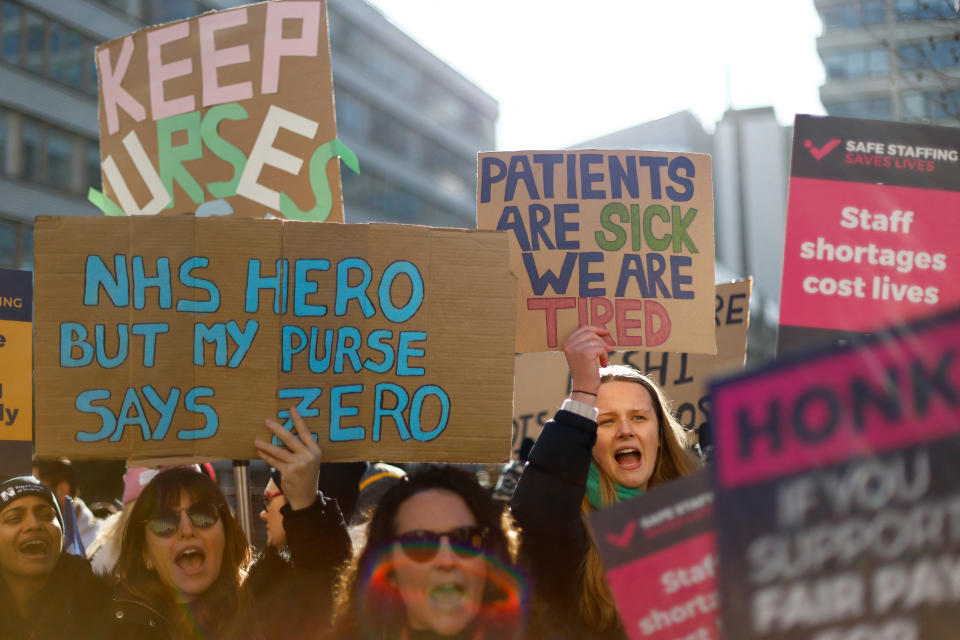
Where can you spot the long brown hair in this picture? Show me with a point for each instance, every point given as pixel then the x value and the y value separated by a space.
pixel 225 610
pixel 674 459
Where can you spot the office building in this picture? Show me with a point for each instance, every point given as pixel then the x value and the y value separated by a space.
pixel 415 124
pixel 891 59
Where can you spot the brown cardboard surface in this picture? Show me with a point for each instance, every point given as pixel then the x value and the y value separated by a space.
pixel 622 239
pixel 236 104
pixel 543 378
pixel 541 383
pixel 466 315
pixel 686 376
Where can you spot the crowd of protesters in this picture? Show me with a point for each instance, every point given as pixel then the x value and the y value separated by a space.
pixel 354 551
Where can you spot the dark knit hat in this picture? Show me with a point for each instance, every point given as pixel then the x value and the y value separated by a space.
pixel 22 486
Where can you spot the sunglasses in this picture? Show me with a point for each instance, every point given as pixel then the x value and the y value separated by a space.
pixel 165 522
pixel 423 546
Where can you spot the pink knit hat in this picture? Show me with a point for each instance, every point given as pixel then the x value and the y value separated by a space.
pixel 136 478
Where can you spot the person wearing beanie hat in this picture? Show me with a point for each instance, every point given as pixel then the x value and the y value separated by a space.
pixel 44 592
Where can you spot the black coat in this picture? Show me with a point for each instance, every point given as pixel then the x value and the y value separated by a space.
pixel 546 505
pixel 293 599
pixel 72 604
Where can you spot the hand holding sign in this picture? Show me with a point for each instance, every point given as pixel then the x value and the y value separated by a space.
pixel 298 462
pixel 586 348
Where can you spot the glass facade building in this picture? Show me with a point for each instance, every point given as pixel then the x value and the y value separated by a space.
pixel 415 124
pixel 891 59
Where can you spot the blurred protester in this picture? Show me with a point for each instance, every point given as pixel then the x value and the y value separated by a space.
pixel 613 438
pixel 45 594
pixel 304 551
pixel 58 474
pixel 374 483
pixel 184 559
pixel 438 563
pixel 510 474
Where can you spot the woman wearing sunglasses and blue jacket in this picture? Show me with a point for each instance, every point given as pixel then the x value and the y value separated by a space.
pixel 438 563
pixel 184 558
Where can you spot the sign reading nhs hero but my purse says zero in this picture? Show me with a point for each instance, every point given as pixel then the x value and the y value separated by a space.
pixel 174 336
pixel 234 105
pixel 621 239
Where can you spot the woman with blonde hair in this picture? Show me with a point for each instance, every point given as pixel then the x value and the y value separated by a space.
pixel 613 438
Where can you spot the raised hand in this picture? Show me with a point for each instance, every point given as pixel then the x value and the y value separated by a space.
pixel 298 461
pixel 586 352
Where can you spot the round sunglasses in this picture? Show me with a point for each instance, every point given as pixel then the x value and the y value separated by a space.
pixel 165 522
pixel 421 545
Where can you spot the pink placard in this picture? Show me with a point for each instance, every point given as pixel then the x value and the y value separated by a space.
pixel 859 256
pixel 826 410
pixel 678 597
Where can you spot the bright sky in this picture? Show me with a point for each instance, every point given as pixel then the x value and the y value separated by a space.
pixel 564 71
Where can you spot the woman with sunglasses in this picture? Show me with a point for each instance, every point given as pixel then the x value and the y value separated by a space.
pixel 613 438
pixel 438 563
pixel 184 558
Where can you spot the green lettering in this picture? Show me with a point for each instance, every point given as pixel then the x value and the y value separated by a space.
pixel 619 235
pixel 223 149
pixel 171 158
pixel 680 235
pixel 318 180
pixel 107 206
pixel 655 243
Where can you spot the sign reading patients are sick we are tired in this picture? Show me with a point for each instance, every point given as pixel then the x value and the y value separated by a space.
pixel 619 239
pixel 161 337
pixel 234 105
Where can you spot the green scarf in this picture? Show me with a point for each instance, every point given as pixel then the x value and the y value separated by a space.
pixel 593 489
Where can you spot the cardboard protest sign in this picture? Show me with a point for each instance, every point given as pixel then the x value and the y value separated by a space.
pixel 622 239
pixel 233 106
pixel 837 503
pixel 685 377
pixel 659 552
pixel 543 378
pixel 175 336
pixel 16 381
pixel 872 227
pixel 541 383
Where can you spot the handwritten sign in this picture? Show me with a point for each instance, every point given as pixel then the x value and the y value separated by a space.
pixel 16 361
pixel 837 495
pixel 541 383
pixel 233 105
pixel 166 336
pixel 872 228
pixel 622 239
pixel 659 552
pixel 543 378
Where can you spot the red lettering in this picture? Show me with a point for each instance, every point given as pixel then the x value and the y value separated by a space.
pixel 550 307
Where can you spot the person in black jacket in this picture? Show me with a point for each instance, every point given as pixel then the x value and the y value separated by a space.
pixel 305 550
pixel 184 559
pixel 613 438
pixel 45 593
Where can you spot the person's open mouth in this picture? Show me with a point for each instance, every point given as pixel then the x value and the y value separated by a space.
pixel 628 458
pixel 190 560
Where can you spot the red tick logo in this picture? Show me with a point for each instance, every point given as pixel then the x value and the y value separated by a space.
pixel 622 539
pixel 820 152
